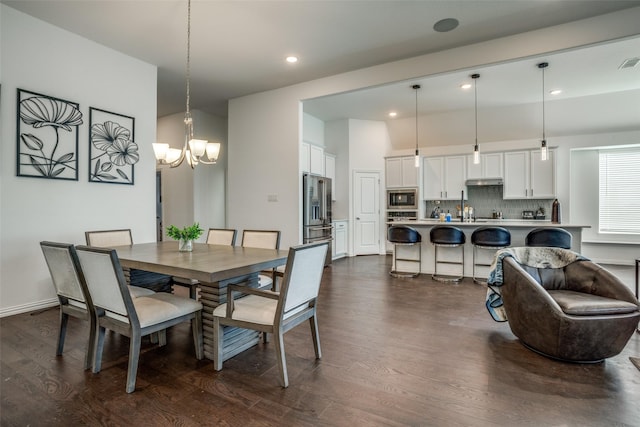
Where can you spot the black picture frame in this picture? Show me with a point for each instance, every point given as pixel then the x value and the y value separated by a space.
pixel 112 148
pixel 47 136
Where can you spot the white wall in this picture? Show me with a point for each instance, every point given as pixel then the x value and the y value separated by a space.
pixel 265 128
pixel 42 58
pixel 194 195
pixel 368 142
pixel 313 130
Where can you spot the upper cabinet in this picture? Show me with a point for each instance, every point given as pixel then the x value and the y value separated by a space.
pixel 316 160
pixel 401 172
pixel 490 166
pixel 312 159
pixel 444 177
pixel 526 176
pixel 305 164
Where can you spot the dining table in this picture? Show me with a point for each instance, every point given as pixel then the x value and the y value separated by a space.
pixel 211 268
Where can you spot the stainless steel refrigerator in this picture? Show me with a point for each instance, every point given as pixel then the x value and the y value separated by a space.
pixel 316 216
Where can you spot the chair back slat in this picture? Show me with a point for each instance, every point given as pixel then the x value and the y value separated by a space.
pixel 108 238
pixel 63 267
pixel 105 279
pixel 221 236
pixel 303 274
pixel 263 239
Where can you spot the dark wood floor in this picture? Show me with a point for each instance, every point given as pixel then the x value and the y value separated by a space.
pixel 396 352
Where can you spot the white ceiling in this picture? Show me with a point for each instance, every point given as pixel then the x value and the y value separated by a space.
pixel 238 47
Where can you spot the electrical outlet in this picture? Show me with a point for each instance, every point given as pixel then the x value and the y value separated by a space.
pixel 272 197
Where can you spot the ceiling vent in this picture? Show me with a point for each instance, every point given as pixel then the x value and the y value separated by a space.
pixel 629 63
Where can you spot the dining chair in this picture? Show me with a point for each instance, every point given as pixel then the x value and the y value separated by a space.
pixel 141 281
pixel 263 239
pixel 221 236
pixel 132 317
pixel 70 286
pixel 276 312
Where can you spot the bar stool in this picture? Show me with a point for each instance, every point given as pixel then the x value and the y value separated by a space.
pixel 403 235
pixel 549 237
pixel 488 237
pixel 451 237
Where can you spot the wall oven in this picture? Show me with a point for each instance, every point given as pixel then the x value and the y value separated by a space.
pixel 406 198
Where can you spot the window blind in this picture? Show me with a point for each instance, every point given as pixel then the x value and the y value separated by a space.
pixel 619 191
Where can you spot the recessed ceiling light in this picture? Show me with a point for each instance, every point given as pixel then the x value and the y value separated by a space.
pixel 555 91
pixel 445 25
pixel 465 86
pixel 393 114
pixel 292 59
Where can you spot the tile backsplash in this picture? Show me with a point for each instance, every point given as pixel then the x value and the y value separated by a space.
pixel 486 199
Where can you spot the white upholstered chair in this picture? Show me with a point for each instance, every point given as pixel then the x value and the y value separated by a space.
pixel 221 236
pixel 276 313
pixel 142 283
pixel 263 239
pixel 133 317
pixel 73 296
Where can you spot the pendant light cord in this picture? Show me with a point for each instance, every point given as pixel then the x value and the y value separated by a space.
pixel 475 90
pixel 416 88
pixel 542 66
pixel 188 54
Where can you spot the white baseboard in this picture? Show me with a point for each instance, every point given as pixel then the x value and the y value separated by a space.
pixel 24 308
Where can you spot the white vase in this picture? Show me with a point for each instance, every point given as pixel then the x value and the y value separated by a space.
pixel 185 245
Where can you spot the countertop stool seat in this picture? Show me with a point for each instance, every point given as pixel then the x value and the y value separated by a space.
pixel 490 238
pixel 447 236
pixel 403 235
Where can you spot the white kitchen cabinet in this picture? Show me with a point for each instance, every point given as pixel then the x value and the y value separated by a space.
pixel 339 248
pixel 401 172
pixel 526 176
pixel 316 160
pixel 490 166
pixel 312 159
pixel 305 164
pixel 330 172
pixel 444 177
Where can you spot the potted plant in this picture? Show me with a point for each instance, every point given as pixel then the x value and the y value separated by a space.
pixel 185 236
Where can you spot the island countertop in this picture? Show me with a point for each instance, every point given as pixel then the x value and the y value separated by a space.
pixel 517 228
pixel 507 223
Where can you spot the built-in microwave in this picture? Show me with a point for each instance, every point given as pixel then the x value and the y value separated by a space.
pixel 406 198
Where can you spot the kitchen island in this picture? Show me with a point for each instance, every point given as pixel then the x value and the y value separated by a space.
pixel 518 229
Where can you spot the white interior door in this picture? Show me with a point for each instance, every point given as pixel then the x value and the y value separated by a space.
pixel 366 208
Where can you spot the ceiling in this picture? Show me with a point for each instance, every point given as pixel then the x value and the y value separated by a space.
pixel 238 47
pixel 598 96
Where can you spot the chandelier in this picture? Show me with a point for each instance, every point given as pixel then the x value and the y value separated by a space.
pixel 193 150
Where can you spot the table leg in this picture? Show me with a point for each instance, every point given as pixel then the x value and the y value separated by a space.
pixel 236 340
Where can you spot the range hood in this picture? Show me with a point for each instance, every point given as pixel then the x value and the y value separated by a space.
pixel 484 182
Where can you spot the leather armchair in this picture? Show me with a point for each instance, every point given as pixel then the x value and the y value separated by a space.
pixel 579 313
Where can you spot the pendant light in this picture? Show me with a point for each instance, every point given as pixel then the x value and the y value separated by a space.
pixel 193 150
pixel 544 151
pixel 417 157
pixel 476 149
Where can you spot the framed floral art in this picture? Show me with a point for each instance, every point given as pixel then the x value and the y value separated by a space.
pixel 112 150
pixel 47 136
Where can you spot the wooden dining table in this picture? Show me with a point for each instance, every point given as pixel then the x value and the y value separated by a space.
pixel 211 268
